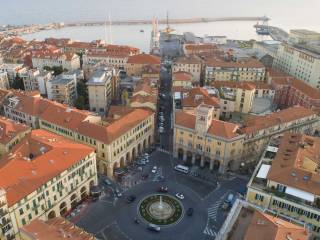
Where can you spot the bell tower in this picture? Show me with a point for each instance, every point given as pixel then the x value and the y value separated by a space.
pixel 204 115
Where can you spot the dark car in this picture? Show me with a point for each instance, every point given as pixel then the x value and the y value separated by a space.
pixel 136 220
pixel 189 212
pixel 131 199
pixel 163 189
pixel 144 176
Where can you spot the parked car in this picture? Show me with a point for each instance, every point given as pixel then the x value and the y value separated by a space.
pixel 118 193
pixel 189 212
pixel 153 227
pixel 107 182
pixel 154 169
pixel 180 196
pixel 131 198
pixel 163 189
pixel 228 202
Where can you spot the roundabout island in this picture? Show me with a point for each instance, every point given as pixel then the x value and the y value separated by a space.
pixel 160 209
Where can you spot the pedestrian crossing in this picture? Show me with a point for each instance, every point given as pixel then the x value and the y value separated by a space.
pixel 164 151
pixel 213 210
pixel 210 231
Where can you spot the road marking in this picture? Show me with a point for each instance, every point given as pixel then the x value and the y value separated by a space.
pixel 209 231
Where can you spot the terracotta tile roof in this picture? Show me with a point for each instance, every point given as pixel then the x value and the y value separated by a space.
pixel 143 59
pixel 10 129
pixel 279 78
pixel 249 63
pixel 64 116
pixel 201 46
pixel 55 229
pixel 197 96
pixel 288 167
pixel 107 54
pixel 217 127
pixel 233 84
pixel 144 99
pixel 29 102
pixel 257 123
pixel 182 76
pixel 268 227
pixel 151 69
pixel 188 60
pixel 52 154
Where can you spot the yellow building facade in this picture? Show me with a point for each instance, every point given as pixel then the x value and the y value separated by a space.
pixel 57 173
pixel 200 139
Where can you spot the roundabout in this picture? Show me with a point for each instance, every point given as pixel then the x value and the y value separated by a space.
pixel 160 209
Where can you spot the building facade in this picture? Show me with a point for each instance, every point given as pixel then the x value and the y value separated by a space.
pixel 300 62
pixel 286 180
pixel 192 65
pixel 57 174
pixel 199 139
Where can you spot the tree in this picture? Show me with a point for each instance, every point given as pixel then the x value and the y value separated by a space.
pixel 17 82
pixel 57 70
pixel 82 102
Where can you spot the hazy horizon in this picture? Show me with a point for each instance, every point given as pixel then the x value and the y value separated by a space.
pixel 298 13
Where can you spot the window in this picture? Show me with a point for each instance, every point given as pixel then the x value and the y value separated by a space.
pixel 21 211
pixel 23 221
pixel 30 216
pixel 259 197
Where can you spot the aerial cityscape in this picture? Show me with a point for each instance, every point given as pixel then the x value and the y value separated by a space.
pixel 160 120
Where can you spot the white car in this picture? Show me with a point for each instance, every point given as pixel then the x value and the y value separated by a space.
pixel 154 169
pixel 180 196
pixel 161 129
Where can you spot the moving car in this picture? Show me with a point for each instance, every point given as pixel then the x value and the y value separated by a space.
pixel 180 196
pixel 189 212
pixel 107 182
pixel 131 198
pixel 154 169
pixel 153 227
pixel 136 220
pixel 163 189
pixel 118 193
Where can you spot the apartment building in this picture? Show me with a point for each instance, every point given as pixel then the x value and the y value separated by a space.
pixel 100 91
pixel 4 81
pixel 202 140
pixel 191 65
pixel 192 98
pixel 235 96
pixel 53 229
pixel 136 63
pixel 246 221
pixel 62 88
pixel 303 36
pixel 286 180
pixel 182 79
pixel 259 130
pixel 299 61
pixel 220 69
pixel 11 134
pixel 199 49
pixel 290 91
pixel 118 140
pixel 145 95
pixel 69 61
pixel 44 176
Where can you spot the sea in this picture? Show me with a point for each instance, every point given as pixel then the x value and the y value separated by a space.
pixel 286 14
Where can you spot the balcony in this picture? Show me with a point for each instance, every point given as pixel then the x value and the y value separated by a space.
pixel 3 212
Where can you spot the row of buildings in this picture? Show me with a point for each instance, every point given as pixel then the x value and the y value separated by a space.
pixel 117 139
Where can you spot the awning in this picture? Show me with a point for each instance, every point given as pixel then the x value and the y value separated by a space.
pixel 263 171
pixel 272 149
pixel 300 194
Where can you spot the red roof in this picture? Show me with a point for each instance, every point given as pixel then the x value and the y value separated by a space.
pixel 144 59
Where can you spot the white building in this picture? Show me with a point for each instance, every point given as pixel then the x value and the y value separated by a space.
pixel 4 81
pixel 68 61
pixel 300 61
pixel 100 91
